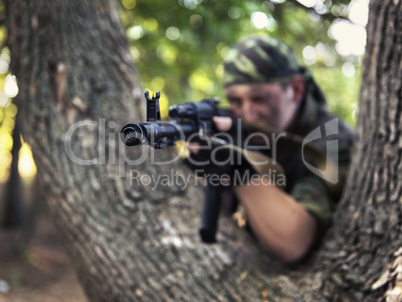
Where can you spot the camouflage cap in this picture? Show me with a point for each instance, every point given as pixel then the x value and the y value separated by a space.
pixel 262 59
pixel 259 59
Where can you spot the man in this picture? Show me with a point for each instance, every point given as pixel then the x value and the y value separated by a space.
pixel 265 85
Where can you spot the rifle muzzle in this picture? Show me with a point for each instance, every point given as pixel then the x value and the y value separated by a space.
pixel 133 135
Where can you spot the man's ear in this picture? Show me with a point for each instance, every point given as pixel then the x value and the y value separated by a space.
pixel 298 85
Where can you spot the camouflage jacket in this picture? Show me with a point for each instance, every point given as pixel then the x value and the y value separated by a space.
pixel 303 184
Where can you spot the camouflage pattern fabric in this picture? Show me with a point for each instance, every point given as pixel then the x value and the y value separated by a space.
pixel 304 186
pixel 262 59
pixel 312 194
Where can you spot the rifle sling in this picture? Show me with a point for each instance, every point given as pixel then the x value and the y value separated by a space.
pixel 261 163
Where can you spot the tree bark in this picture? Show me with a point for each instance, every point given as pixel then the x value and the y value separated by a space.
pixel 131 242
pixel 365 246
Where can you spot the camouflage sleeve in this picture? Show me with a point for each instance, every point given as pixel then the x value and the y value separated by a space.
pixel 313 195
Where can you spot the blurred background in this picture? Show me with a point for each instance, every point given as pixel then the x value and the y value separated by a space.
pixel 178 48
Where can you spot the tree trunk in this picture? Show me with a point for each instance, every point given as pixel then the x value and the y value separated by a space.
pixel 365 246
pixel 132 242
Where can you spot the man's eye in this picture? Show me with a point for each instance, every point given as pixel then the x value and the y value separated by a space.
pixel 234 101
pixel 260 100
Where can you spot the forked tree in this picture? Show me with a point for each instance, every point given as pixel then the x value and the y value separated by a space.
pixel 130 242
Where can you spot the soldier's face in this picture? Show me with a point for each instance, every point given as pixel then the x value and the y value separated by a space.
pixel 270 104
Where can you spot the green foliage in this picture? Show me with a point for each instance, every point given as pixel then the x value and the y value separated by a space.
pixel 342 92
pixel 8 110
pixel 178 47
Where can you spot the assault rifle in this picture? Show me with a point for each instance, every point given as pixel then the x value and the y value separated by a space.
pixel 185 120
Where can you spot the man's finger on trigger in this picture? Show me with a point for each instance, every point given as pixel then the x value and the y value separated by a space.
pixel 222 123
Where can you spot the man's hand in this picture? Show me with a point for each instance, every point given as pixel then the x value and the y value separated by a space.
pixel 222 123
pixel 221 157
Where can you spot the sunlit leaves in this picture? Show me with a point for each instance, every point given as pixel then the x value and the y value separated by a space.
pixel 167 53
pixel 352 43
pixel 129 4
pixel 26 166
pixel 342 92
pixel 200 81
pixel 7 123
pixel 136 32
pixel 151 24
pixel 8 112
pixel 172 33
pixel 10 86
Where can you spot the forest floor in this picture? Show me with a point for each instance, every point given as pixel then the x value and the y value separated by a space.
pixel 34 265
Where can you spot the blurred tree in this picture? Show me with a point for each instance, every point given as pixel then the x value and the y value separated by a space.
pixel 130 242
